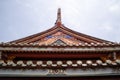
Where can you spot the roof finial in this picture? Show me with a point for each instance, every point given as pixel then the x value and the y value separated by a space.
pixel 58 21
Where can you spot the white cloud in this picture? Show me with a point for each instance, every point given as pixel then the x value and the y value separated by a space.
pixel 107 26
pixel 114 8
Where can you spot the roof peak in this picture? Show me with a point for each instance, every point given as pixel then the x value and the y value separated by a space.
pixel 58 21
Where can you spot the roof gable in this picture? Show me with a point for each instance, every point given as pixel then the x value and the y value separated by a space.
pixel 60 32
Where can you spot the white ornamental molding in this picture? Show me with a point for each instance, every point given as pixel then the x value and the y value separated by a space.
pixel 84 64
pixel 59 62
pixel 114 63
pixel 74 65
pixel 54 65
pixel 14 65
pixel 4 64
pixel 33 65
pixel 1 62
pixel 29 63
pixel 49 62
pixel 79 62
pixel 89 62
pixel 109 61
pixel 99 62
pixel 94 64
pixel 104 64
pixel 69 62
pixel 43 65
pixel 20 63
pixel 10 62
pixel 39 63
pixel 23 65
pixel 64 65
pixel 118 61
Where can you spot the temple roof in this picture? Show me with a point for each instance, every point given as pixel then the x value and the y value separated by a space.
pixel 60 48
pixel 60 35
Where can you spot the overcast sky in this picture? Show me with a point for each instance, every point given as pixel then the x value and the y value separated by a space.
pixel 98 18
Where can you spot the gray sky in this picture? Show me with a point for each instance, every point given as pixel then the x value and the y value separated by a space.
pixel 98 18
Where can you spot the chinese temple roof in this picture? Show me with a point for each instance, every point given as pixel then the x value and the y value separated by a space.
pixel 59 47
pixel 59 35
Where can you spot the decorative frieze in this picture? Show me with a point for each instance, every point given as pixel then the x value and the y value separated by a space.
pixel 59 64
